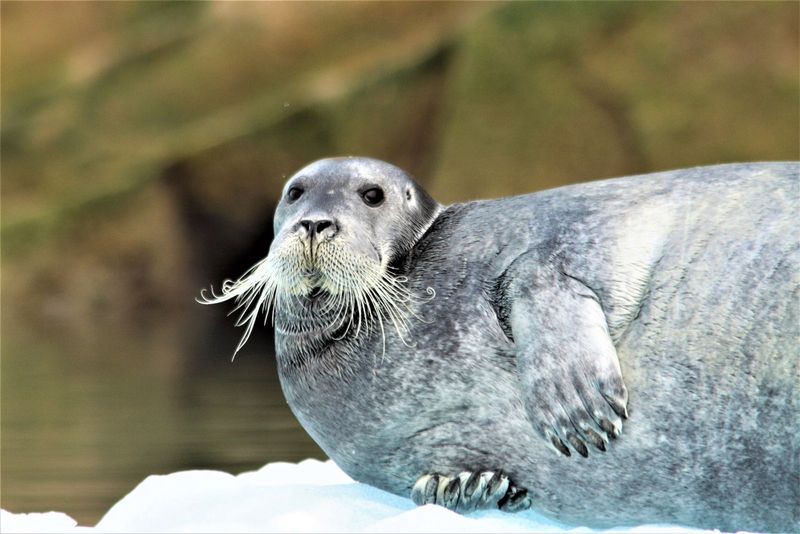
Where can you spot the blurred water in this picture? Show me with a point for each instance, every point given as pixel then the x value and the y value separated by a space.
pixel 86 419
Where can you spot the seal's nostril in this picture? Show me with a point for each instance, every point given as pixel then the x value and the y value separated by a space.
pixel 321 225
pixel 306 225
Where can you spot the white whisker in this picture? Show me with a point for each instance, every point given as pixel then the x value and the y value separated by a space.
pixel 357 292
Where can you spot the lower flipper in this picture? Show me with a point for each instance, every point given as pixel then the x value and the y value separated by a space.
pixel 471 491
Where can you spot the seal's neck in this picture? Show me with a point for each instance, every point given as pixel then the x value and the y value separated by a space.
pixel 312 336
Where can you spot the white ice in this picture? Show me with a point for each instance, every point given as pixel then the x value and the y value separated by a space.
pixel 311 496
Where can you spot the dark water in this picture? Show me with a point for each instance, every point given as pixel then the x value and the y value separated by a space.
pixel 86 418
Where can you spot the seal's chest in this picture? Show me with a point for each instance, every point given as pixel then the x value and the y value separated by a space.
pixel 372 404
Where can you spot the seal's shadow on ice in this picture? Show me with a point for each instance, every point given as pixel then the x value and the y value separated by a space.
pixel 486 354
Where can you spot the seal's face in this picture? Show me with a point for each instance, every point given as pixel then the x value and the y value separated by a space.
pixel 339 227
pixel 342 222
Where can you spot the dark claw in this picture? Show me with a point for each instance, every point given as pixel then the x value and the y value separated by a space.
pixel 515 500
pixel 558 444
pixel 472 488
pixel 494 482
pixel 451 494
pixel 618 405
pixel 429 494
pixel 425 493
pixel 496 488
pixel 512 490
pixel 472 484
pixel 577 444
pixel 609 428
pixel 596 439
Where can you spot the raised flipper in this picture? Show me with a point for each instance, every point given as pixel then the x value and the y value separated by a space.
pixel 569 372
pixel 471 491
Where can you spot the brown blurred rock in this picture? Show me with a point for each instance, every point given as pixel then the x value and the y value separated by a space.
pixel 566 92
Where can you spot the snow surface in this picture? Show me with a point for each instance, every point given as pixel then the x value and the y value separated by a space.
pixel 311 496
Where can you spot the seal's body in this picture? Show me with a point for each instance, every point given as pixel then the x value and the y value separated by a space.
pixel 684 284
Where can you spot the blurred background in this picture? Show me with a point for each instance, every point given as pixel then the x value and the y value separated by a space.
pixel 144 146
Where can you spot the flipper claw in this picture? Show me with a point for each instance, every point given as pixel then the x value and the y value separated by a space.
pixel 470 491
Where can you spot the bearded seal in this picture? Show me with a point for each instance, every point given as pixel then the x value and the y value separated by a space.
pixel 485 354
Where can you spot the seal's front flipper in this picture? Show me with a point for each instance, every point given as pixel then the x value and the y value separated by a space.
pixel 571 379
pixel 471 491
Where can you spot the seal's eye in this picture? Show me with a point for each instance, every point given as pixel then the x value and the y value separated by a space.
pixel 294 193
pixel 373 196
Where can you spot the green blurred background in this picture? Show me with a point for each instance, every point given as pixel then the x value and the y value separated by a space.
pixel 144 146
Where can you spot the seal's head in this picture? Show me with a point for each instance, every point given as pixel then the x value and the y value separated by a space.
pixel 340 226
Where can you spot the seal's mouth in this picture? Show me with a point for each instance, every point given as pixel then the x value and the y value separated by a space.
pixel 313 281
pixel 356 293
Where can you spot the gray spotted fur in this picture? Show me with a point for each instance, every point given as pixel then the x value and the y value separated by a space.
pixel 696 273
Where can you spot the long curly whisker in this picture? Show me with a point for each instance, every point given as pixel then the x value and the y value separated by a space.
pixel 355 292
